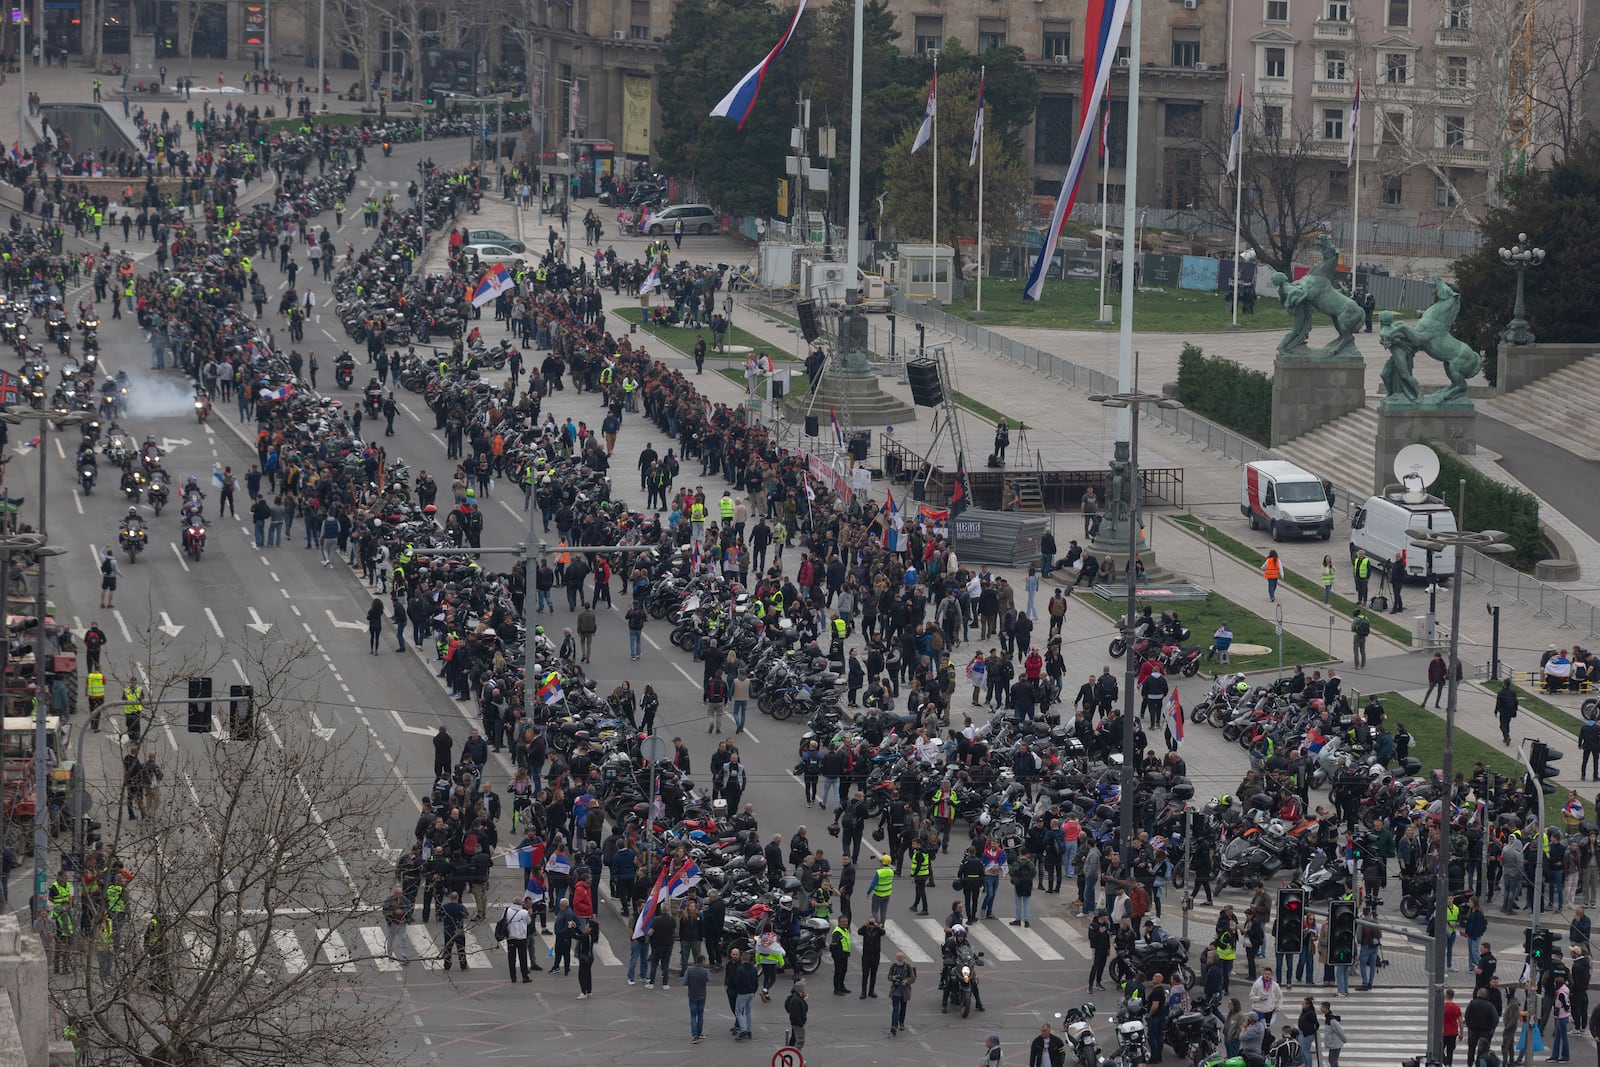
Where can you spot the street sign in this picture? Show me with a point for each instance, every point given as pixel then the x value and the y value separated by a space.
pixel 655 749
pixel 788 1056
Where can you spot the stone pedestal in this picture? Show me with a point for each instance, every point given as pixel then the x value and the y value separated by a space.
pixel 1307 393
pixel 1454 427
pixel 863 398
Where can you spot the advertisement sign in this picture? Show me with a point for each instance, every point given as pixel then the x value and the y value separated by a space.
pixel 636 102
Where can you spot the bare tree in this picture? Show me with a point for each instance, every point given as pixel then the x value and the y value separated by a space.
pixel 1567 59
pixel 1286 170
pixel 251 853
pixel 355 26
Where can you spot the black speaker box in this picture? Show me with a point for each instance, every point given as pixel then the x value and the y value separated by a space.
pixel 807 310
pixel 811 426
pixel 926 388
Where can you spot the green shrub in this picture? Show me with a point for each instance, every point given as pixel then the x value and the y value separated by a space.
pixel 1492 505
pixel 1226 392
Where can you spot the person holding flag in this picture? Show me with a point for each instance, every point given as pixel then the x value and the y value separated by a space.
pixel 1174 730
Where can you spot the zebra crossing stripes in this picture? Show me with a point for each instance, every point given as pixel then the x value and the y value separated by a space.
pixel 902 940
pixel 1041 948
pixel 1382 1026
pixel 1074 937
pixel 991 945
pixel 378 949
pixel 334 950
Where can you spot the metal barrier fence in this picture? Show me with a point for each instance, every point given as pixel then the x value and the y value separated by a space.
pixel 1430 235
pixel 1522 589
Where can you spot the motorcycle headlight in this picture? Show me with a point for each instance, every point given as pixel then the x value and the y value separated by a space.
pixel 966 974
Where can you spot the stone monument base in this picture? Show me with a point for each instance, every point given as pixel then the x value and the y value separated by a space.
pixel 1454 427
pixel 1309 393
pixel 863 397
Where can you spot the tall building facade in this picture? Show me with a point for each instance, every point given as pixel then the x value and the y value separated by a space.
pixel 1183 60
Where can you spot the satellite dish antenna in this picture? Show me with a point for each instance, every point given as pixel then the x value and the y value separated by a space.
pixel 1416 467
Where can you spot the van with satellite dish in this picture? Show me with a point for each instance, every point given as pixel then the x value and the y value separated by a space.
pixel 1384 525
pixel 1287 500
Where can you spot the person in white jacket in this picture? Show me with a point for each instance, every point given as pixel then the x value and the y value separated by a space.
pixel 1266 996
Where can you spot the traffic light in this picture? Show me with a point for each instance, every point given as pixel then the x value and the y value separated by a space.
pixel 241 711
pixel 1342 933
pixel 1542 761
pixel 199 705
pixel 1291 920
pixel 1544 942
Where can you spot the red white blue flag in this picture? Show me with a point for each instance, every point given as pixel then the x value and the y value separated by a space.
pixel 1103 21
pixel 925 131
pixel 741 99
pixel 496 280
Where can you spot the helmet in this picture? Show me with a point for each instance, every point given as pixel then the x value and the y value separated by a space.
pixel 1226 801
pixel 538 631
pixel 133 513
pixel 885 858
pixel 958 930
pixel 785 901
pixel 1087 1010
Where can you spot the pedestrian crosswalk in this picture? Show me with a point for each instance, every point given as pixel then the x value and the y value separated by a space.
pixel 1382 1026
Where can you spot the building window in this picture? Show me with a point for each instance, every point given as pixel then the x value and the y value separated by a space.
pixel 1393 191
pixel 929 33
pixel 1272 122
pixel 1399 13
pixel 1333 66
pixel 1460 17
pixel 1277 10
pixel 1053 123
pixel 1117 145
pixel 1396 68
pixel 1338 11
pixel 1443 195
pixel 639 22
pixel 1183 120
pixel 1057 40
pixel 1185 47
pixel 1455 131
pixel 991 34
pixel 1184 179
pixel 1456 72
pixel 1392 127
pixel 1333 124
pixel 1339 185
pixel 1277 63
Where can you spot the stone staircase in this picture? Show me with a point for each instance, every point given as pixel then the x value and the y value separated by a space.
pixel 1342 451
pixel 1558 407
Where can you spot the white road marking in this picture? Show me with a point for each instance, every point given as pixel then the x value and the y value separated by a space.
pixel 123 625
pixel 176 551
pixel 332 948
pixel 77 501
pixel 373 936
pixel 216 627
pixel 906 943
pixel 288 946
pixel 992 944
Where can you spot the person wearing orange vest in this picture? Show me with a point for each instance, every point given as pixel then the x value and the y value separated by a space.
pixel 1272 571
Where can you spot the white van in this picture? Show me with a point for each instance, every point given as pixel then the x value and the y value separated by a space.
pixel 1383 527
pixel 1286 500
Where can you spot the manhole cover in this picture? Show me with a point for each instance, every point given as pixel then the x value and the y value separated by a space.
pixel 1239 648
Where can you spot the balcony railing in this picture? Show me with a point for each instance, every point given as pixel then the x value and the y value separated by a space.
pixel 1333 90
pixel 1448 36
pixel 1330 30
pixel 1475 158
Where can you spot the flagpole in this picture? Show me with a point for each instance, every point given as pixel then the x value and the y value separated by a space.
pixel 1104 218
pixel 853 239
pixel 1355 190
pixel 981 72
pixel 935 91
pixel 1238 198
pixel 1130 211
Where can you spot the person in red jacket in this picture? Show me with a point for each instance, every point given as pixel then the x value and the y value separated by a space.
pixel 583 898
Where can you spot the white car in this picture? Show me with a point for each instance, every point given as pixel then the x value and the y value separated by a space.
pixel 495 254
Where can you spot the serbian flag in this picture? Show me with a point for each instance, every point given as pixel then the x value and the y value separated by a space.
pixel 16 152
pixel 1355 124
pixel 496 280
pixel 977 123
pixel 925 131
pixel 891 523
pixel 958 491
pixel 741 99
pixel 1238 131
pixel 651 281
pixel 687 878
pixel 694 559
pixel 1175 716
pixel 558 863
pixel 838 432
pixel 280 393
pixel 647 911
pixel 1103 21
pixel 933 516
pixel 550 691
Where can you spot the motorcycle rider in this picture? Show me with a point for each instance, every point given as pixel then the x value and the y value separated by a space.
pixel 956 948
pixel 132 522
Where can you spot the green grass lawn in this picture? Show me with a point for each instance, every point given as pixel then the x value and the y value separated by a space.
pixel 1427 730
pixel 1203 618
pixel 1073 305
pixel 683 339
pixel 1306 584
pixel 1547 711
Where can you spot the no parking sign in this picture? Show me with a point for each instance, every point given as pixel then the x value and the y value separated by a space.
pixel 788 1056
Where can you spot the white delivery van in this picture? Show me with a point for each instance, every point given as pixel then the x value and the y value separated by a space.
pixel 1383 526
pixel 1286 500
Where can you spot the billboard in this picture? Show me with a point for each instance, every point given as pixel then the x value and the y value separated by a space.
pixel 636 103
pixel 449 70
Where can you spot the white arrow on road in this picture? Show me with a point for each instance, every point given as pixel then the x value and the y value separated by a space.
pixel 324 732
pixel 343 625
pixel 169 443
pixel 256 624
pixel 408 729
pixel 168 627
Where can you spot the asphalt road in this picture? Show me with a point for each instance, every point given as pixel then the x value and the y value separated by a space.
pixel 388 705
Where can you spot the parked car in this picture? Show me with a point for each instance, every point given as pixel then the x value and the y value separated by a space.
pixel 696 218
pixel 496 253
pixel 495 237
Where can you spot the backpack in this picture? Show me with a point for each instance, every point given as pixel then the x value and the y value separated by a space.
pixel 469 847
pixel 502 928
pixel 105 566
pixel 1362 627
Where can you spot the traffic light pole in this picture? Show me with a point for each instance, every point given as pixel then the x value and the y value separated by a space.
pixel 1441 887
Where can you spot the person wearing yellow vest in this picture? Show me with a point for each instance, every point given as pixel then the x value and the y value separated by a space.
pixel 921 875
pixel 726 506
pixel 944 812
pixel 882 886
pixel 697 518
pixel 839 946
pixel 94 686
pixel 116 904
pixel 105 947
pixel 132 709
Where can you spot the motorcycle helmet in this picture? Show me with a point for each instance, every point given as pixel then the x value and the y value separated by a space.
pixel 1086 1010
pixel 133 513
pixel 958 930
pixel 786 901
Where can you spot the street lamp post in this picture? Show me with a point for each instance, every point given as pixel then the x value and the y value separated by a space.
pixel 1490 542
pixel 1133 400
pixel 41 795
pixel 1519 257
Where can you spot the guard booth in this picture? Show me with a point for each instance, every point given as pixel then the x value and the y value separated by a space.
pixel 924 271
